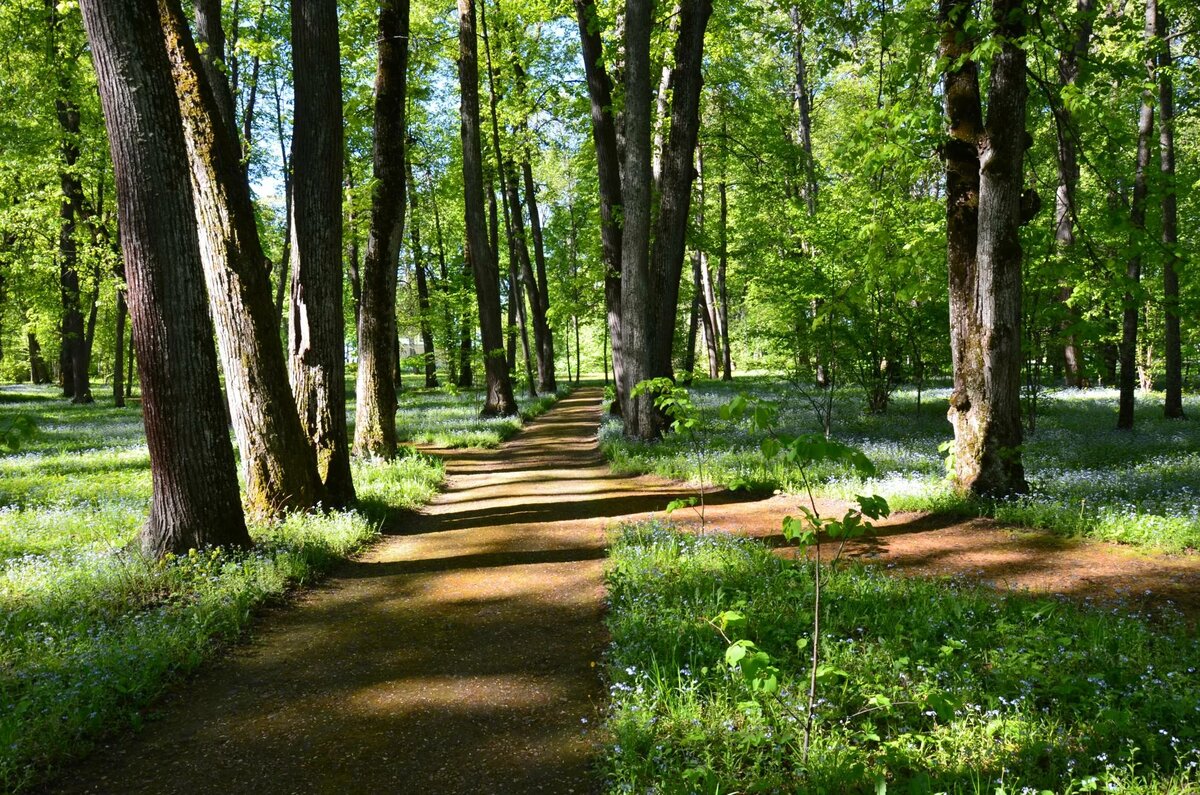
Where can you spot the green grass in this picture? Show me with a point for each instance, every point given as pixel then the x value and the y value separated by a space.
pixel 930 685
pixel 450 418
pixel 91 633
pixel 1086 478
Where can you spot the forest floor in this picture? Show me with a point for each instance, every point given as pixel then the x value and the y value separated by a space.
pixel 463 653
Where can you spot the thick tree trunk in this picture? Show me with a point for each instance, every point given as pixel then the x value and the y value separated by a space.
pixel 195 492
pixel 277 460
pixel 375 411
pixel 316 329
pixel 637 317
pixel 499 399
pixel 1172 343
pixel 1127 380
pixel 539 293
pixel 608 167
pixel 423 298
pixel 670 231
pixel 984 173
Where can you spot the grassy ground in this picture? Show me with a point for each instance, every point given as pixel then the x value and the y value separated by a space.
pixel 450 417
pixel 89 633
pixel 1140 487
pixel 924 686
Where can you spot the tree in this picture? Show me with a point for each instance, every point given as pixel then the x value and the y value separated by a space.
pixel 195 494
pixel 984 178
pixel 375 412
pixel 1173 402
pixel 482 256
pixel 278 462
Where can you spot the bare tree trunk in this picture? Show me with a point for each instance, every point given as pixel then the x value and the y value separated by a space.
pixel 637 326
pixel 277 460
pixel 808 165
pixel 1173 353
pixel 984 173
pixel 194 499
pixel 444 282
pixel 608 166
pixel 285 162
pixel 39 373
pixel 375 410
pixel 423 300
pixel 539 292
pixel 119 353
pixel 353 251
pixel 1127 380
pixel 316 331
pixel 526 277
pixel 499 399
pixel 722 269
pixel 670 231
pixel 210 39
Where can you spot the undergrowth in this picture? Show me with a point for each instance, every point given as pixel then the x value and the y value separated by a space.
pixel 924 685
pixel 450 417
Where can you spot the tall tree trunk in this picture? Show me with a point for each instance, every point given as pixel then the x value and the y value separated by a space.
pixel 689 350
pixel 499 399
pixel 285 169
pixel 1173 404
pixel 526 277
pixel 353 250
pixel 278 462
pixel 722 270
pixel 375 411
pixel 119 352
pixel 466 374
pixel 444 283
pixel 1068 179
pixel 703 280
pixel 808 165
pixel 39 373
pixel 317 330
pixel 984 173
pixel 539 293
pixel 423 302
pixel 1127 380
pixel 637 318
pixel 670 232
pixel 608 167
pixel 210 38
pixel 194 498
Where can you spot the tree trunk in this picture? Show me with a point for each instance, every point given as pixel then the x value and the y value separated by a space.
pixel 526 277
pixel 984 173
pixel 1127 380
pixel 670 232
pixel 722 269
pixel 353 252
pixel 210 39
pixel 539 290
pixel 1068 179
pixel 608 167
pixel 278 463
pixel 423 300
pixel 375 411
pixel 1173 353
pixel 444 284
pixel 499 399
pixel 119 353
pixel 39 373
pixel 808 165
pixel 637 318
pixel 316 329
pixel 194 486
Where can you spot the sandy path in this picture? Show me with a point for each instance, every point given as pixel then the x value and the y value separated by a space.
pixel 460 655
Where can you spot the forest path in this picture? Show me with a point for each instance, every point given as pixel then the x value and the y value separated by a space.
pixel 461 655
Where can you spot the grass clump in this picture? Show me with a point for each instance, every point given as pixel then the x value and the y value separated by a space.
pixel 924 686
pixel 90 632
pixel 448 417
pixel 1086 478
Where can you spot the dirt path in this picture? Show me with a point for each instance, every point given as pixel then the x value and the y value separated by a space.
pixel 460 655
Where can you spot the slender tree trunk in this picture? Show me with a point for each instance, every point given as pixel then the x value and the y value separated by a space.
pixel 210 39
pixel 278 463
pixel 444 283
pixel 1127 380
pixel 316 331
pixel 539 292
pixel 194 498
pixel 119 353
pixel 466 375
pixel 526 277
pixel 722 270
pixel 1173 405
pixel 39 373
pixel 285 163
pixel 499 399
pixel 703 280
pixel 375 411
pixel 670 232
pixel 689 350
pixel 983 216
pixel 808 165
pixel 353 251
pixel 608 167
pixel 423 301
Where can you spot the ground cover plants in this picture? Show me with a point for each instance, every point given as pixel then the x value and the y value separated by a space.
pixel 1086 478
pixel 450 417
pixel 90 633
pixel 923 685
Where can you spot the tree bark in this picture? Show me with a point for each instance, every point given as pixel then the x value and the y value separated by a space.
pixel 1172 343
pixel 670 231
pixel 119 352
pixel 39 373
pixel 316 328
pixel 499 400
pixel 527 278
pixel 210 39
pixel 984 176
pixel 722 271
pixel 194 486
pixel 277 460
pixel 375 411
pixel 423 302
pixel 608 167
pixel 1127 380
pixel 539 293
